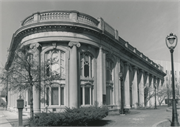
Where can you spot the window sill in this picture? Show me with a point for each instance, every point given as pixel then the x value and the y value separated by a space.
pixel 86 105
pixel 56 106
pixel 86 79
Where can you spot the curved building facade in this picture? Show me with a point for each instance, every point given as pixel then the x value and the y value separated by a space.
pixel 91 55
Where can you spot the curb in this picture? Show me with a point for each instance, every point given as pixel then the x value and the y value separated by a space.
pixel 155 125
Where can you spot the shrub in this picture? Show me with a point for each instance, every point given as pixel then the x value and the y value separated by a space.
pixel 71 117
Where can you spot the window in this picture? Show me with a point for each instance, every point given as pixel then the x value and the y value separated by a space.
pixel 47 96
pixel 62 95
pixel 109 68
pixel 86 65
pixel 55 95
pixel 109 83
pixel 86 95
pixel 55 63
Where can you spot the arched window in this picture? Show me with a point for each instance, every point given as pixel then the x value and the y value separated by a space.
pixel 86 65
pixel 55 63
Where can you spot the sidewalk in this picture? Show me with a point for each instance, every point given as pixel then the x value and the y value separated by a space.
pixel 10 118
pixel 138 117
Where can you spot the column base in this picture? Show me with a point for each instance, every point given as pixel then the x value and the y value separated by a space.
pixel 127 106
pixel 134 106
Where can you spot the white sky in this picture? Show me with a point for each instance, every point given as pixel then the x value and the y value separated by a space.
pixel 144 24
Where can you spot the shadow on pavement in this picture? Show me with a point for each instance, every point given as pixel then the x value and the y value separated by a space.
pixel 129 113
pixel 100 123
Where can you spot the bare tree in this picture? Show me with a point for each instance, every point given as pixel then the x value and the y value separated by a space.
pixel 24 73
pixel 148 93
pixel 151 92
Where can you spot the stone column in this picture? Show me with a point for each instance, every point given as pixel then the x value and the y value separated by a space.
pixel 117 83
pixel 134 88
pixel 159 87
pixel 147 85
pixel 104 73
pixel 36 88
pixel 100 77
pixel 151 92
pixel 126 87
pixel 141 88
pixel 73 88
pixel 95 82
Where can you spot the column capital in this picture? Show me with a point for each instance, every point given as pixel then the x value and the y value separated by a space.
pixel 126 64
pixel 142 71
pixel 135 68
pixel 147 73
pixel 72 43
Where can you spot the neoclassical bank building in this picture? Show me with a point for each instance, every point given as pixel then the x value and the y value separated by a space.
pixel 90 55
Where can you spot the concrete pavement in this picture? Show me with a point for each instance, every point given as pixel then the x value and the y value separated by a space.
pixel 139 117
pixel 10 118
pixel 3 120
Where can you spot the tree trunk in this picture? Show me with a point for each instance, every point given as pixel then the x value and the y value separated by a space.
pixel 31 104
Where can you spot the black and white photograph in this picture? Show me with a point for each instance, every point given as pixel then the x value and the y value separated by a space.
pixel 113 63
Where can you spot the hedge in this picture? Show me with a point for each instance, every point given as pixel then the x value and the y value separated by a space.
pixel 83 116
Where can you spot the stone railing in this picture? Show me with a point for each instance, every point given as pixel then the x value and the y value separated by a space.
pixel 55 15
pixel 65 16
pixel 28 20
pixel 86 19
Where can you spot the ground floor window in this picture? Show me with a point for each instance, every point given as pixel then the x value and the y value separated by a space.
pixel 55 95
pixel 86 95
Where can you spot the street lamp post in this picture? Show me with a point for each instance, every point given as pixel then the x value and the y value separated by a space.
pixel 171 42
pixel 122 93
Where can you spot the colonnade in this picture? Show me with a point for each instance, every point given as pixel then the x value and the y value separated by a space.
pixel 139 81
pixel 135 80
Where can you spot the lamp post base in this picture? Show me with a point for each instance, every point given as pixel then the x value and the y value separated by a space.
pixel 174 114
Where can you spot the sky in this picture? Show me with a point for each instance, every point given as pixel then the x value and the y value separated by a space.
pixel 144 24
